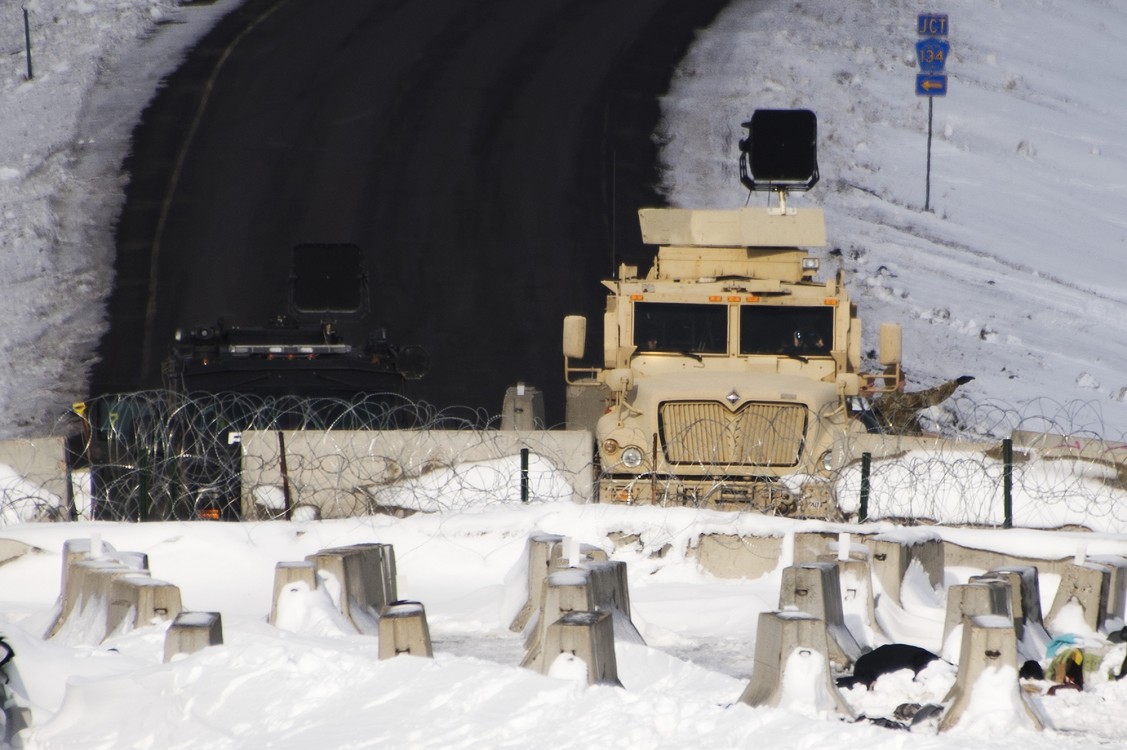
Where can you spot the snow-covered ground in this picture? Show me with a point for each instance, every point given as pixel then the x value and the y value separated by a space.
pixel 1014 278
pixel 311 683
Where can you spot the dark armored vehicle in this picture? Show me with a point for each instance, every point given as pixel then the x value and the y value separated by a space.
pixel 317 348
pixel 175 453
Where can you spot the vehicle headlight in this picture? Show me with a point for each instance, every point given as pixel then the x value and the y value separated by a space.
pixel 632 457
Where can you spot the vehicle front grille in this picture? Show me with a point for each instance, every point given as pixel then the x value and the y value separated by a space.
pixel 756 434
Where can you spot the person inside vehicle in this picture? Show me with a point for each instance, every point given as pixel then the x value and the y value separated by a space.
pixel 808 342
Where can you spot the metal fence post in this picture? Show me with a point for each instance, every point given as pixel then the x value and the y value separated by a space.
pixel 524 475
pixel 287 501
pixel 1007 483
pixel 27 42
pixel 866 460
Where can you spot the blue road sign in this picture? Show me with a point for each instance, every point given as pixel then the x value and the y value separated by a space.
pixel 931 84
pixel 931 54
pixel 932 24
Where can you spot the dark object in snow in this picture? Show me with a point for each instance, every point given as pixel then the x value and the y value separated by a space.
pixel 1119 636
pixel 905 711
pixel 1122 669
pixel 925 712
pixel 1031 670
pixel 921 713
pixel 882 721
pixel 9 653
pixel 906 716
pixel 884 660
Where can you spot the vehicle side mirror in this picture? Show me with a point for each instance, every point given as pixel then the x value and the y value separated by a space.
pixel 574 336
pixel 891 337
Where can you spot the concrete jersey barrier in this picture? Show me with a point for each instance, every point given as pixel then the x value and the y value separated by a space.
pixel 336 471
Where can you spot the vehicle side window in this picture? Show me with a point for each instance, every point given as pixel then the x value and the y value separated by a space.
pixel 767 329
pixel 670 327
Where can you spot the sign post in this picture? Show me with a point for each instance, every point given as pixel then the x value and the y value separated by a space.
pixel 27 42
pixel 931 53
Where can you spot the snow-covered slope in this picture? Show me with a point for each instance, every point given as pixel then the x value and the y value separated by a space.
pixel 1016 275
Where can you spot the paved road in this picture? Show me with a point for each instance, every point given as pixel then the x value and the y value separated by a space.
pixel 488 156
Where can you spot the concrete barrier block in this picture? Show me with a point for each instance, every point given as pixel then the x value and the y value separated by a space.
pixel 798 641
pixel 850 554
pixel 523 408
pixel 1025 601
pixel 611 586
pixel 986 597
pixel 366 459
pixel 88 583
pixel 812 546
pixel 824 546
pixel 191 632
pixel 361 581
pixel 1086 585
pixel 137 600
pixel 403 630
pixel 77 550
pixel 565 591
pixel 287 574
pixel 41 464
pixel 732 556
pixel 589 637
pixel 987 676
pixel 858 604
pixel 891 557
pixel 11 549
pixel 568 590
pixel 333 572
pixel 76 567
pixel 960 556
pixel 378 572
pixel 547 553
pixel 814 588
pixel 1117 585
pixel 595 587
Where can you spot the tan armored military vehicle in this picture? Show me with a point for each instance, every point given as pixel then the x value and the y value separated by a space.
pixel 726 369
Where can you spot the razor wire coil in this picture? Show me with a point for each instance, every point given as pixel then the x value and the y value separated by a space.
pixel 163 455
